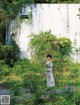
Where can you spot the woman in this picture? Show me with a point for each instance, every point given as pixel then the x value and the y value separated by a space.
pixel 49 73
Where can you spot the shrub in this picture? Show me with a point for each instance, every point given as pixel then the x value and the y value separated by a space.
pixel 10 53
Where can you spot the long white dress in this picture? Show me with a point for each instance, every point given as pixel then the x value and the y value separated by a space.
pixel 49 74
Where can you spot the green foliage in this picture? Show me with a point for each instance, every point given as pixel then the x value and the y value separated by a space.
pixel 30 17
pixel 27 74
pixel 2 33
pixel 12 8
pixel 9 53
pixel 59 48
pixel 64 46
pixel 24 74
pixel 45 43
pixel 40 1
pixel 66 73
pixel 30 74
pixel 4 69
pixel 25 66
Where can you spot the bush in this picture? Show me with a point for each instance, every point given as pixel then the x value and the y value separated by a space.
pixel 10 53
pixel 4 69
pixel 30 74
pixel 45 43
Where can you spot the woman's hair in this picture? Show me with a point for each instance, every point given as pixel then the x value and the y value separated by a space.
pixel 49 56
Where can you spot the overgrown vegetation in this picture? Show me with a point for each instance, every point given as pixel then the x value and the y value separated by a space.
pixel 27 80
pixel 10 53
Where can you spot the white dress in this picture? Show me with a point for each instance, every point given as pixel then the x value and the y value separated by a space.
pixel 49 74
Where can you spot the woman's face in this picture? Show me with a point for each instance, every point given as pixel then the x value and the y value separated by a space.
pixel 48 58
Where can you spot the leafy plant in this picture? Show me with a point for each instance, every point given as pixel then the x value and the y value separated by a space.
pixel 9 53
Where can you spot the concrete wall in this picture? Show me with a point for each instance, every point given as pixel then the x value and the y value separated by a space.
pixel 61 19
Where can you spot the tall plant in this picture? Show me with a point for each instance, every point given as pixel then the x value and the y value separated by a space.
pixel 45 43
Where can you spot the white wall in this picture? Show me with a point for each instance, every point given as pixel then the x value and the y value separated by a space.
pixel 50 17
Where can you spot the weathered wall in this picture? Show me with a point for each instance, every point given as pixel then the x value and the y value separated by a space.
pixel 61 19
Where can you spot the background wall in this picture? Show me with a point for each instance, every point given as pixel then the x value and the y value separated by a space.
pixel 61 19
